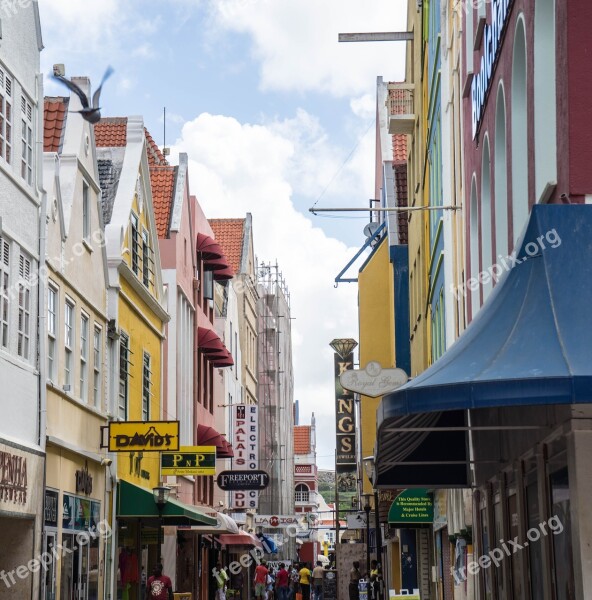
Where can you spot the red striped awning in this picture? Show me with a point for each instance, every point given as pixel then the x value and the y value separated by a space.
pixel 216 264
pixel 208 247
pixel 209 341
pixel 208 436
pixel 223 274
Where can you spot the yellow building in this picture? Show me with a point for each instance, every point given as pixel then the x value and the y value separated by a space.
pixel 137 311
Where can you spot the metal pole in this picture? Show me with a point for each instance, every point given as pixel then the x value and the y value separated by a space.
pixel 378 538
pixel 367 509
pixel 389 209
pixel 159 538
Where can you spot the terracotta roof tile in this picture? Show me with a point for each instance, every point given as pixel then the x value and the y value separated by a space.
pixel 301 439
pixel 155 156
pixel 55 112
pixel 162 182
pixel 401 195
pixel 111 132
pixel 400 148
pixel 229 234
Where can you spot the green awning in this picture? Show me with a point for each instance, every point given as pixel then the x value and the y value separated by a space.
pixel 137 502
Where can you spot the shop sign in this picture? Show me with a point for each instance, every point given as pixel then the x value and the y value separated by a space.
pixel 189 460
pixel 412 507
pixel 245 444
pixel 13 478
pixel 356 520
pixel 84 481
pixel 242 480
pixel 492 44
pixel 145 436
pixel 274 520
pixel 50 508
pixel 345 428
pixel 373 381
pixel 440 505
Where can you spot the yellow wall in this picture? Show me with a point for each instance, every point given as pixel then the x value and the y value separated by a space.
pixel 377 334
pixel 138 320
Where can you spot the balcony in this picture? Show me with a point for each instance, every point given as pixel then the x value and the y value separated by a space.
pixel 401 108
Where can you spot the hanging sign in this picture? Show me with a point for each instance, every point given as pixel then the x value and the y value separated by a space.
pixel 242 480
pixel 145 436
pixel 412 507
pixel 189 460
pixel 246 451
pixel 373 381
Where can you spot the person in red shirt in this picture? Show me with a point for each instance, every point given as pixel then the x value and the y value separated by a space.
pixel 159 586
pixel 261 573
pixel 281 582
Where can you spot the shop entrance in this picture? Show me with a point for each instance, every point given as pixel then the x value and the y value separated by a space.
pixel 75 571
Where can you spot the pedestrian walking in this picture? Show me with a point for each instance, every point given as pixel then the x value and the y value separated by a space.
pixel 354 578
pixel 305 581
pixel 221 581
pixel 318 576
pixel 260 580
pixel 159 586
pixel 282 578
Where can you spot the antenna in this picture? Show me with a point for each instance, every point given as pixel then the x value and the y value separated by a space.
pixel 165 151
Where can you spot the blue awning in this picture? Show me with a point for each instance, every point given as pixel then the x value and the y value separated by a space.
pixel 528 345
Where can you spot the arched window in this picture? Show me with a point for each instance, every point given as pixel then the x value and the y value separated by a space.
pixel 500 170
pixel 486 238
pixel 519 133
pixel 302 494
pixel 474 249
pixel 545 109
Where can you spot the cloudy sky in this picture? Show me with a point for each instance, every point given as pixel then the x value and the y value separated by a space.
pixel 275 115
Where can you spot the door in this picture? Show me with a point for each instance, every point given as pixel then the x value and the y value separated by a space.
pixel 81 572
pixel 49 579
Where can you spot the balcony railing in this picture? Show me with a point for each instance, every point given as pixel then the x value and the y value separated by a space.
pixel 400 104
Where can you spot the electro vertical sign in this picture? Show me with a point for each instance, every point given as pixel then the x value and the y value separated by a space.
pixel 246 451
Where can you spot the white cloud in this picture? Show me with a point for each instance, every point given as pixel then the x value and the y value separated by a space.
pixel 296 41
pixel 237 168
pixel 364 106
pixel 144 50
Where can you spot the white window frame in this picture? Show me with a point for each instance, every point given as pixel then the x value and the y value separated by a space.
pixel 4 292
pixel 124 375
pixel 69 309
pixel 135 243
pixel 97 366
pixel 52 324
pixel 26 140
pixel 85 211
pixel 24 308
pixel 84 330
pixel 5 117
pixel 146 385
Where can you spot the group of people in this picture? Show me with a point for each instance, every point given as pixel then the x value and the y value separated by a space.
pixel 373 581
pixel 293 583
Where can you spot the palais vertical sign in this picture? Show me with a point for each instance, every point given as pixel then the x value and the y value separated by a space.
pixel 246 451
pixel 345 428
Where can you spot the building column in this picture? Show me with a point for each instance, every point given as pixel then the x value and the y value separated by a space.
pixel 579 457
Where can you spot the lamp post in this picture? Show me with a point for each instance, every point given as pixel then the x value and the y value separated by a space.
pixel 367 511
pixel 369 467
pixel 161 497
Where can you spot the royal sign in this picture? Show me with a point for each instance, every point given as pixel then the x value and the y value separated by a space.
pixel 144 436
pixel 189 460
pixel 242 480
pixel 373 381
pixel 492 44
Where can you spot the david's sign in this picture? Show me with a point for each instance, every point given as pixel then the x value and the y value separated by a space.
pixel 145 436
pixel 492 43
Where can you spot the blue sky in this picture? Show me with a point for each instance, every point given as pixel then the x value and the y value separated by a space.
pixel 269 106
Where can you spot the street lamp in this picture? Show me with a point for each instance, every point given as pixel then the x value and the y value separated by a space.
pixel 161 497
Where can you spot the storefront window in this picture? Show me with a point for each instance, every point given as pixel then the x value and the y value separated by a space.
pixel 561 538
pixel 535 555
pixel 485 548
pixel 516 570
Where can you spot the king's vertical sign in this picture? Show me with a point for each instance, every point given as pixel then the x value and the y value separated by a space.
pixel 246 451
pixel 345 427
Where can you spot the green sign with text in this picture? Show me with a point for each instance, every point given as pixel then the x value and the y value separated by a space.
pixel 412 507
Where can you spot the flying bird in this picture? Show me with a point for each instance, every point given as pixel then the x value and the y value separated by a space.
pixel 89 113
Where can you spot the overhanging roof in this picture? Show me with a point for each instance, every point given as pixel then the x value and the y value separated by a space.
pixel 137 502
pixel 528 345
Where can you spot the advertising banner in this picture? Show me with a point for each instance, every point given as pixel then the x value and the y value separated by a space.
pixel 245 443
pixel 143 436
pixel 242 480
pixel 189 460
pixel 345 427
pixel 274 520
